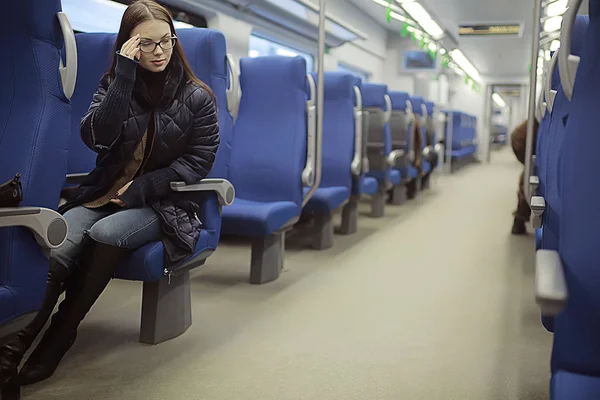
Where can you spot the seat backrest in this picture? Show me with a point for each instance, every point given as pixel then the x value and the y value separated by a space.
pixel 206 51
pixel 338 129
pixel 379 142
pixel 269 140
pixel 34 129
pixel 417 104
pixel 94 53
pixel 577 329
pixel 556 135
pixel 399 122
pixel 454 122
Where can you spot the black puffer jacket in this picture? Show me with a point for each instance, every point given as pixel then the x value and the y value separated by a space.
pixel 184 137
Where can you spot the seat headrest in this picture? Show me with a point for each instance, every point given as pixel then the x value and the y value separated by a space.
pixel 273 71
pixel 579 30
pixel 205 50
pixel 430 106
pixel 338 85
pixel 36 17
pixel 399 100
pixel 374 95
pixel 417 101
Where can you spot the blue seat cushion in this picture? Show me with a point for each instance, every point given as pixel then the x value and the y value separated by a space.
pixel 426 166
pixel 393 175
pixel 464 152
pixel 147 263
pixel 327 199
pixel 258 219
pixel 409 172
pixel 566 385
pixel 366 185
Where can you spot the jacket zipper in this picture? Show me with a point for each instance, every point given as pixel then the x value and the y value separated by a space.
pixel 170 271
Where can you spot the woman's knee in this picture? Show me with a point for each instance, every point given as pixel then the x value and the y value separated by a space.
pixel 101 234
pixel 130 230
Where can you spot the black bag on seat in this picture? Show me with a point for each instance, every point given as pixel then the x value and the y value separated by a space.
pixel 11 192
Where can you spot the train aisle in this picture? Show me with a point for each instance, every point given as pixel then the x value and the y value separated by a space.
pixel 434 301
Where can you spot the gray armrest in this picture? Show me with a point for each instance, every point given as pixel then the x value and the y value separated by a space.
pixel 550 285
pixel 534 183
pixel 393 157
pixel 76 179
pixel 49 227
pixel 538 206
pixel 222 187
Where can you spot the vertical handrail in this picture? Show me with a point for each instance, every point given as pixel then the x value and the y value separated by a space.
pixel 232 92
pixel 357 161
pixel 535 47
pixel 68 72
pixel 411 130
pixel 449 133
pixel 320 100
pixel 549 93
pixel 567 62
pixel 309 172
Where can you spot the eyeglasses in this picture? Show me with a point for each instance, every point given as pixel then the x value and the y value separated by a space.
pixel 148 46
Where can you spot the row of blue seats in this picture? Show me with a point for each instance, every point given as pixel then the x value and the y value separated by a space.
pixel 563 186
pixel 267 155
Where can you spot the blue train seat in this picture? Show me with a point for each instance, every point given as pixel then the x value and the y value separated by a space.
pixel 538 181
pixel 338 152
pixel 377 110
pixel 269 158
pixel 362 184
pixel 548 203
pixel 460 137
pixel 420 110
pixel 567 276
pixel 166 303
pixel 576 354
pixel 430 125
pixel 402 128
pixel 34 130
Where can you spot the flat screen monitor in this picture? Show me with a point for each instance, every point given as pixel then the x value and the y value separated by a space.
pixel 418 60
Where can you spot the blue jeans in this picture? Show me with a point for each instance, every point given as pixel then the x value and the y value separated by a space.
pixel 128 229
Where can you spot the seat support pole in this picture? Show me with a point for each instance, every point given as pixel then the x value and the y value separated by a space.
pixel 166 308
pixel 323 231
pixel 378 203
pixel 398 195
pixel 267 258
pixel 350 217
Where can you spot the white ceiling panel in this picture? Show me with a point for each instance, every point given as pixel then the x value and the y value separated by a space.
pixel 495 57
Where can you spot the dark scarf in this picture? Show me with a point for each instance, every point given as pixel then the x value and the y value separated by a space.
pixel 158 89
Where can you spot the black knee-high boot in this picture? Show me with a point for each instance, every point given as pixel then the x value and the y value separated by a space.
pixel 90 276
pixel 12 353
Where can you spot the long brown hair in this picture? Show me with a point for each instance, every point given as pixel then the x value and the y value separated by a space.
pixel 146 10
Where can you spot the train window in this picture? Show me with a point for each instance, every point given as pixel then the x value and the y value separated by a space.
pixel 105 16
pixel 259 46
pixel 364 76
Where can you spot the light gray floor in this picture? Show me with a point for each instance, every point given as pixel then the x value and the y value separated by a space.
pixel 432 302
